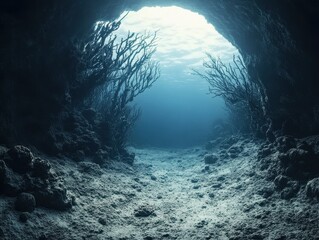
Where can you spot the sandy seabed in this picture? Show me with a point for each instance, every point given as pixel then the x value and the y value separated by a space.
pixel 168 194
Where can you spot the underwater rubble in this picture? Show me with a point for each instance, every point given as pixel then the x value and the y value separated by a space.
pixel 236 187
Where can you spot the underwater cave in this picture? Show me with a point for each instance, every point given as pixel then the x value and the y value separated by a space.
pixel 158 119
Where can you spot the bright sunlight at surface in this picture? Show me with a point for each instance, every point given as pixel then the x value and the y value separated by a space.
pixel 177 111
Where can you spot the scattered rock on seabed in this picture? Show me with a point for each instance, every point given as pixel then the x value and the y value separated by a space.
pixel 232 199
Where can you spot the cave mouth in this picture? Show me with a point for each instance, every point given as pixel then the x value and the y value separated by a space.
pixel 176 110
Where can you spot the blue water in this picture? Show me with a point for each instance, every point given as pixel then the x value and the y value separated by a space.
pixel 176 111
pixel 176 114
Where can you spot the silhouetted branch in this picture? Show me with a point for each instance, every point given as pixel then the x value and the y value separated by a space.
pixel 231 82
pixel 112 73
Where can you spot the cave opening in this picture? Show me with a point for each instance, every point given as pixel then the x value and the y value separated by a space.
pixel 71 91
pixel 177 110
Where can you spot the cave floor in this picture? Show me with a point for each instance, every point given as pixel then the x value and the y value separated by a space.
pixel 168 194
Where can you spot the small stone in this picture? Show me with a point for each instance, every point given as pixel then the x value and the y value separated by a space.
pixel 201 224
pixel 221 178
pixel 216 185
pixel 153 178
pixel 102 221
pixel 200 195
pixel 144 211
pixel 211 195
pixel 210 159
pixel 25 202
pixel 194 180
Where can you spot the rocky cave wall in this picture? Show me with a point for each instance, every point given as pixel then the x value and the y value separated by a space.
pixel 278 40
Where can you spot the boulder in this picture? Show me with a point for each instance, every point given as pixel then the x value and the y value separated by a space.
pixel 53 197
pixel 25 202
pixel 19 158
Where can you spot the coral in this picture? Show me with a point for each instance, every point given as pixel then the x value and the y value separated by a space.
pixel 241 94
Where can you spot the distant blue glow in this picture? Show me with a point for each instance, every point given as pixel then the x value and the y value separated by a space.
pixel 177 111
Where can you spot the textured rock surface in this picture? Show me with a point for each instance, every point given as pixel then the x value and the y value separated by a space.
pixel 232 200
pixel 19 158
pixel 312 188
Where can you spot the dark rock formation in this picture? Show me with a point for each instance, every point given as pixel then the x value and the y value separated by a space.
pixel 210 159
pixel 19 158
pixel 144 211
pixel 33 184
pixel 312 188
pixel 41 168
pixel 55 197
pixel 25 202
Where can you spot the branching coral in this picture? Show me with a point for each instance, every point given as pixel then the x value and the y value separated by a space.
pixel 231 82
pixel 111 73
